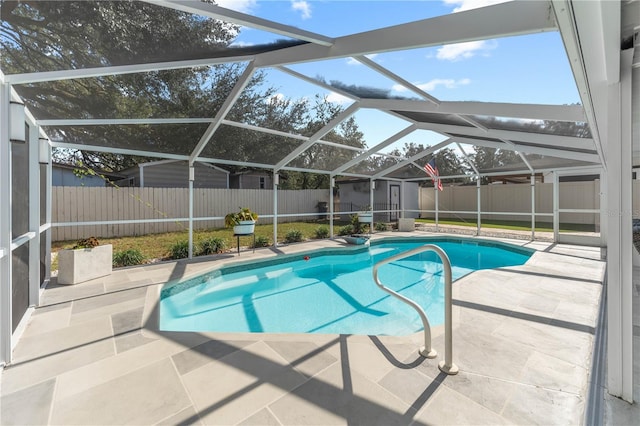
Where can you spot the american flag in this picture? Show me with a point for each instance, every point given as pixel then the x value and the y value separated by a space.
pixel 432 170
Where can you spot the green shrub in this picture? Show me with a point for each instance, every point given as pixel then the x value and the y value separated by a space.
pixel 293 236
pixel 322 231
pixel 85 243
pixel 262 241
pixel 213 245
pixel 179 250
pixel 128 257
pixel 381 226
pixel 346 230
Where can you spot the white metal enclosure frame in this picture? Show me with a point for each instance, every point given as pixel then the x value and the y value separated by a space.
pixel 592 33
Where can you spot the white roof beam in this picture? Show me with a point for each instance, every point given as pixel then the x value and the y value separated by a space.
pixel 121 121
pixel 224 110
pixel 553 141
pixel 116 150
pixel 234 163
pixel 216 12
pixel 39 77
pixel 559 153
pixel 486 130
pixel 571 113
pixel 287 134
pixel 412 159
pixel 318 83
pixel 468 159
pixel 375 66
pixel 501 20
pixel 591 35
pixel 316 137
pixel 382 145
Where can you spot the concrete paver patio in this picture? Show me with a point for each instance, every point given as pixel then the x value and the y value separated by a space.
pixel 523 340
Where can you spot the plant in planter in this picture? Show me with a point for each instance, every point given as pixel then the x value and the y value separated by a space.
pixel 365 215
pixel 85 261
pixel 243 222
pixel 356 231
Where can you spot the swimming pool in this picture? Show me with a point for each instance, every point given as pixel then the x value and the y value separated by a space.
pixel 329 291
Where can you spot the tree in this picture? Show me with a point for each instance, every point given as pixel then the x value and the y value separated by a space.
pixel 39 36
pixel 69 35
pixel 447 161
pixel 323 157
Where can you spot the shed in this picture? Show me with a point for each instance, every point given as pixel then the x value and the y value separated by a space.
pixel 251 179
pixel 175 174
pixel 63 175
pixel 387 196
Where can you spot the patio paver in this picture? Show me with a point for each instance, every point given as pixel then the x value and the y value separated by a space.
pixel 523 339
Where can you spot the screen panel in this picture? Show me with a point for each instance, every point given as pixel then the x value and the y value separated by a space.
pixel 238 144
pixel 68 35
pixel 160 138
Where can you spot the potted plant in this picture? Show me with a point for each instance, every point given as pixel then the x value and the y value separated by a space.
pixel 354 232
pixel 365 215
pixel 85 261
pixel 243 222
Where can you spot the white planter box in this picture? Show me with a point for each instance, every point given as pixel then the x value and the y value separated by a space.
pixel 406 224
pixel 365 217
pixel 77 266
pixel 245 227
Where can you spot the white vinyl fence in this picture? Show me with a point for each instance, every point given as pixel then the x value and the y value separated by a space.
pixel 95 204
pixel 461 201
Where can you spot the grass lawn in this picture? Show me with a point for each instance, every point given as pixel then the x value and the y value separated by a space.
pixel 157 246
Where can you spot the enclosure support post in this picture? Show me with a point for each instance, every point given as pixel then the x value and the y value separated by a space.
pixel 533 206
pixel 34 215
pixel 435 190
pixel 619 233
pixel 479 203
pixel 372 187
pixel 556 202
pixel 191 178
pixel 49 205
pixel 402 199
pixel 331 185
pixel 276 178
pixel 6 329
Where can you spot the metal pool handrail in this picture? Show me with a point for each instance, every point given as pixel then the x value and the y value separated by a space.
pixel 447 366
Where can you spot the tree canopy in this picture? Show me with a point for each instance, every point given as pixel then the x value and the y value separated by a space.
pixel 40 36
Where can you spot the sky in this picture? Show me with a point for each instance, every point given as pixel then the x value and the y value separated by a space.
pixel 524 69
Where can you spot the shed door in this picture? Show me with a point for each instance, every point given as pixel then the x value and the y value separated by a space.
pixel 394 202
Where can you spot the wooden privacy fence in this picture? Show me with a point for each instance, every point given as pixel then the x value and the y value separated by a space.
pixel 515 198
pixel 96 204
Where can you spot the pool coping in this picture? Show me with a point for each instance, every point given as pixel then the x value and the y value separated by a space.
pixel 151 311
pixel 523 358
pixel 171 287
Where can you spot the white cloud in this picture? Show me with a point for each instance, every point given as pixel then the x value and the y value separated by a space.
pixel 275 97
pixel 447 83
pixel 303 7
pixel 244 6
pixel 338 99
pixel 241 44
pixel 458 51
pixel 471 4
pixel 399 88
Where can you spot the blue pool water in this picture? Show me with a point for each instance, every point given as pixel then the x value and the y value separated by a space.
pixel 331 291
